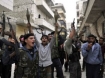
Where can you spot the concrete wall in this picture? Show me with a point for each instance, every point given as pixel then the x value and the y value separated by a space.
pixel 99 27
pixel 20 30
pixel 93 30
pixel 6 5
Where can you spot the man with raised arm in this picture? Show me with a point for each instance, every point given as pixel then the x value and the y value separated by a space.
pixel 73 55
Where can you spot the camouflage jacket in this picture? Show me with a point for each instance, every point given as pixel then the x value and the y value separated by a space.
pixel 54 52
pixel 27 65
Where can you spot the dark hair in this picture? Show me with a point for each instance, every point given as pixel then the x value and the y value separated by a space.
pixel 21 36
pixel 10 36
pixel 91 35
pixel 44 36
pixel 49 34
pixel 26 36
pixel 101 38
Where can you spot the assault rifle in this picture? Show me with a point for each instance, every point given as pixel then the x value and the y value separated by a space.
pixel 73 22
pixel 3 23
pixel 39 30
pixel 28 20
pixel 16 45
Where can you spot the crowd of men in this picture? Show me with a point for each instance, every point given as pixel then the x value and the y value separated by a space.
pixel 38 60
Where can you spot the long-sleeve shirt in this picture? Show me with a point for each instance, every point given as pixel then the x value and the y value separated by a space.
pixel 94 55
pixel 68 46
pixel 45 52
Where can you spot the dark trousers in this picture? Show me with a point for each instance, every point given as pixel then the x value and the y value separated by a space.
pixel 75 69
pixel 0 69
pixel 83 65
pixel 57 64
pixel 92 71
pixel 6 71
pixel 66 65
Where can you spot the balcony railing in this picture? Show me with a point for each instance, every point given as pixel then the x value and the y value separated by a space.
pixel 42 5
pixel 44 23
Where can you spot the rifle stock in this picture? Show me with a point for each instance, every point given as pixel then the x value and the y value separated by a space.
pixel 16 45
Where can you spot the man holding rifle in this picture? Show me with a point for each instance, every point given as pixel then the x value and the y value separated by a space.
pixel 73 54
pixel 7 53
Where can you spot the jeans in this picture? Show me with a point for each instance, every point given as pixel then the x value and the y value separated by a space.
pixel 92 71
pixel 57 64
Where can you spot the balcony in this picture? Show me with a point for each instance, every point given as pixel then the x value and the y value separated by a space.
pixel 22 22
pixel 42 5
pixel 6 5
pixel 62 13
pixel 62 19
pixel 81 17
pixel 44 23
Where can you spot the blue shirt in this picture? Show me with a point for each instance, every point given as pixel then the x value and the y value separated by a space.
pixel 94 55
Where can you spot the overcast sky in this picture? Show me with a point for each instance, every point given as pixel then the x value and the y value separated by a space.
pixel 70 6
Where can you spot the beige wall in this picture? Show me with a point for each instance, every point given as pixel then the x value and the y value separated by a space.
pixel 93 30
pixel 20 31
pixel 99 25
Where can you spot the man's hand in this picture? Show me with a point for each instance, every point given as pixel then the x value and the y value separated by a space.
pixel 8 33
pixel 12 54
pixel 89 46
pixel 72 25
pixel 28 25
pixel 56 25
pixel 12 40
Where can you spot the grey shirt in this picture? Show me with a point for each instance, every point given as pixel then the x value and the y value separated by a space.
pixel 68 46
pixel 45 52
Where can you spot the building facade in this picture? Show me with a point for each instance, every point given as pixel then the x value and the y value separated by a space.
pixel 94 17
pixel 41 16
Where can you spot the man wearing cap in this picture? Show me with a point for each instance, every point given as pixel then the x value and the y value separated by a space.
pixel 92 54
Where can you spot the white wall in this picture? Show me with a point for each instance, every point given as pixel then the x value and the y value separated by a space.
pixel 20 6
pixel 6 5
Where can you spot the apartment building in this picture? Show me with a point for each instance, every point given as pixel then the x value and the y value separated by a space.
pixel 81 7
pixel 94 17
pixel 61 11
pixel 41 16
